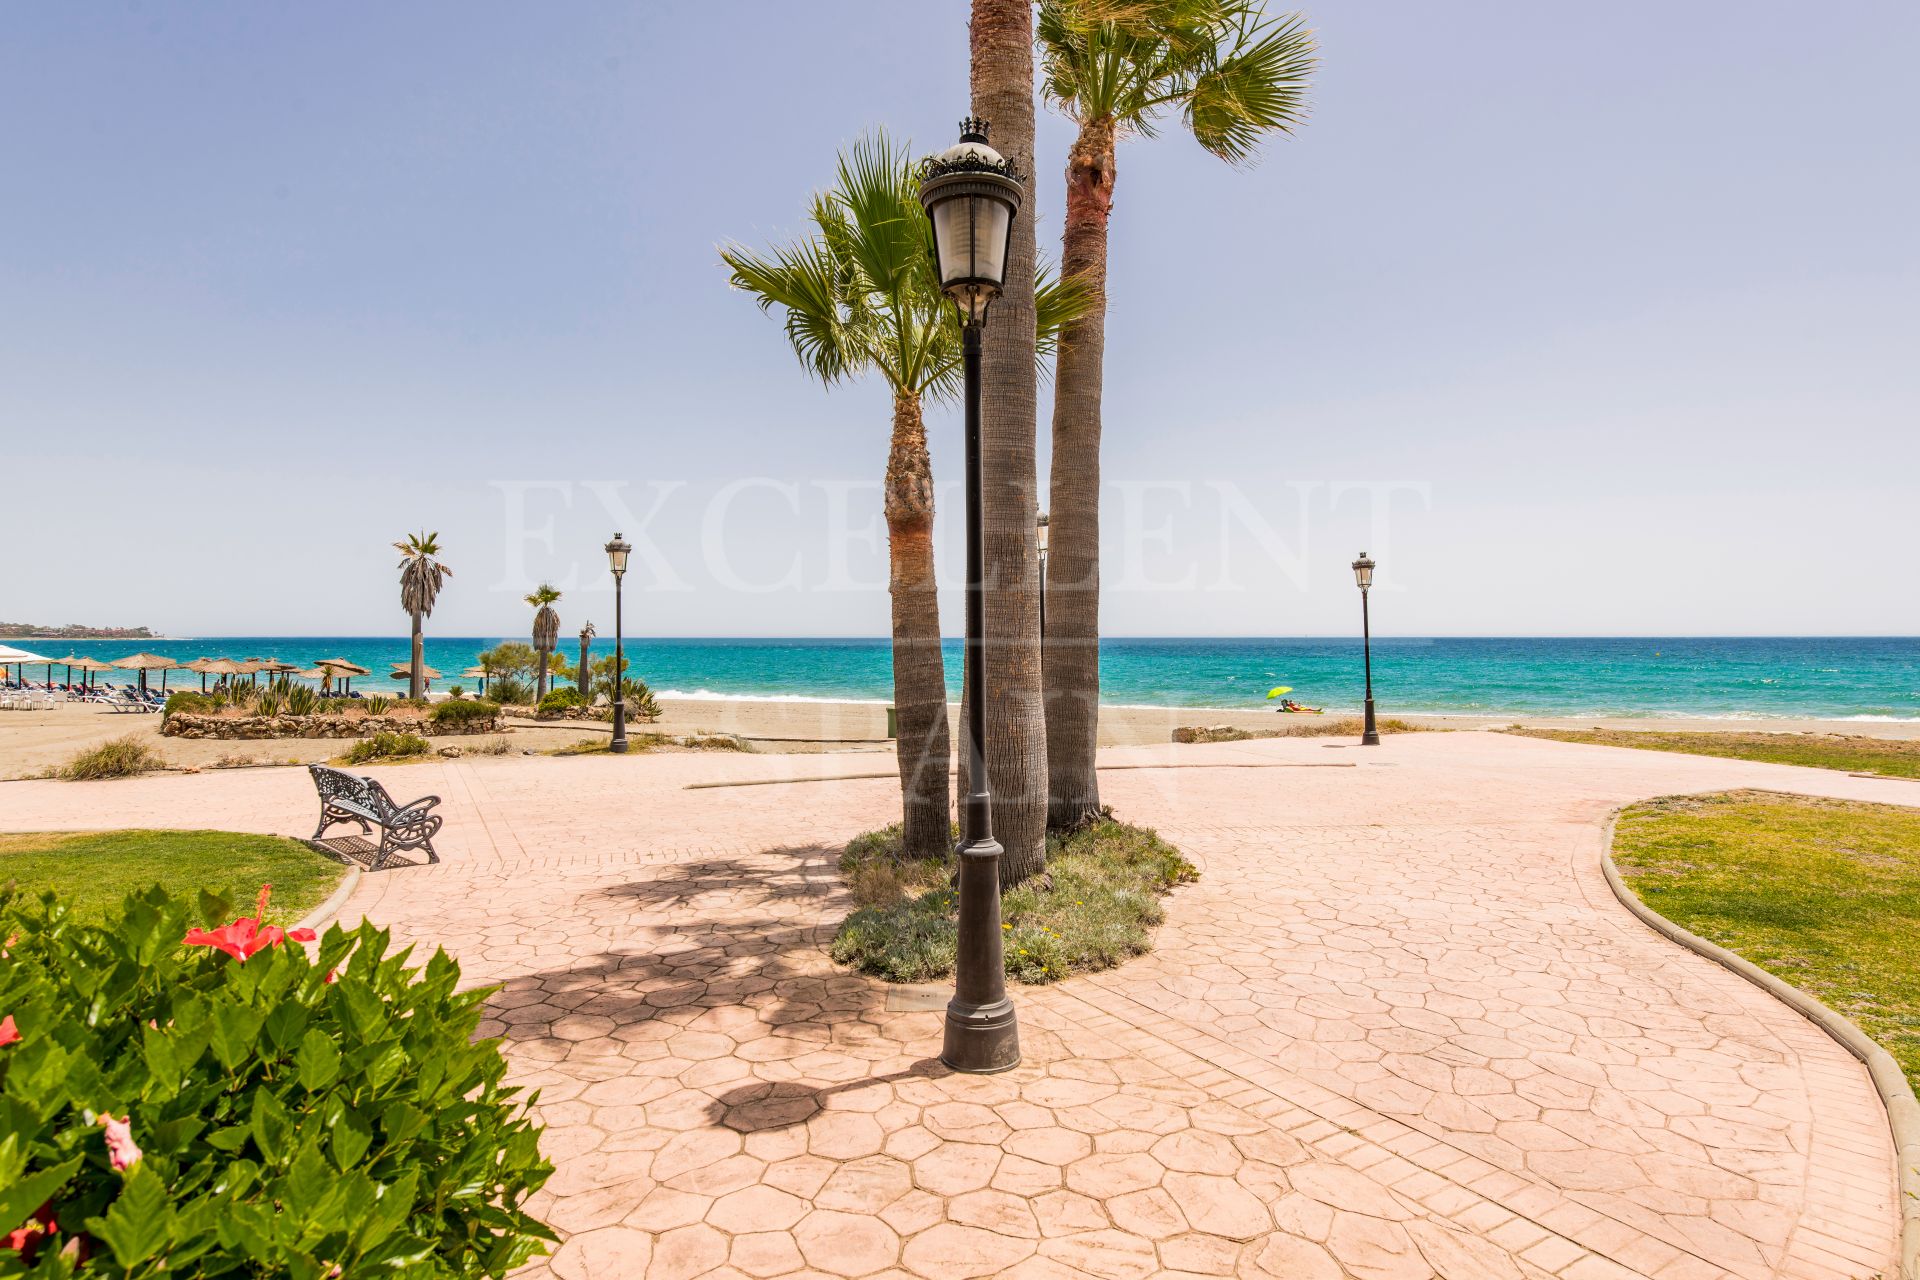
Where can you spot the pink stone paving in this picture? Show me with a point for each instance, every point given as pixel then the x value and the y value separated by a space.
pixel 1399 1030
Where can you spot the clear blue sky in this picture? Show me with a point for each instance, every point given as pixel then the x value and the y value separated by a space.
pixel 1623 297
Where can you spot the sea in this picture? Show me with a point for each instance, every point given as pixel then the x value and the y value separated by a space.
pixel 1757 678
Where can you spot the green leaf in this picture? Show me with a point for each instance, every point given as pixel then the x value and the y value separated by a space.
pixel 236 1030
pixel 318 1061
pixel 350 1137
pixel 20 1197
pixel 215 909
pixel 272 1127
pixel 139 1224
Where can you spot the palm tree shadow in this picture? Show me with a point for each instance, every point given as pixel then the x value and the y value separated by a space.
pixel 731 945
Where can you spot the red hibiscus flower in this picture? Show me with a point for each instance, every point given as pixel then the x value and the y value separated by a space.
pixel 248 935
pixel 8 1032
pixel 27 1240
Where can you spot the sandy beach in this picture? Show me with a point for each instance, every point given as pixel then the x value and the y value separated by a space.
pixel 32 741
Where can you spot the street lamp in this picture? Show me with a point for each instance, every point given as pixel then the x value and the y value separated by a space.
pixel 617 552
pixel 1363 574
pixel 1040 541
pixel 971 194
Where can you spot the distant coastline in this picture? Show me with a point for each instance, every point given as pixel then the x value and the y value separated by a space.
pixel 73 631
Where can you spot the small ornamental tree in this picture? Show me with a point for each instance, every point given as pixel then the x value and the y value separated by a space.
pixel 209 1102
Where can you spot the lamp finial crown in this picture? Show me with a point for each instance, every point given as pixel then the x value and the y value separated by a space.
pixel 973 129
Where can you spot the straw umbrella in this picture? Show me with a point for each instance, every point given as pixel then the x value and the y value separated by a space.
pixel 480 672
pixel 322 674
pixel 427 674
pixel 205 666
pixel 145 662
pixel 341 667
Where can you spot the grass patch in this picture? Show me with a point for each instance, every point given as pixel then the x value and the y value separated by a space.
pixel 127 757
pixel 1894 757
pixel 1823 893
pixel 639 742
pixel 1095 906
pixel 1303 727
pixel 386 747
pixel 93 870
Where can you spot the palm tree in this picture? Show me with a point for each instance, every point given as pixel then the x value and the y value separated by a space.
pixel 1000 38
pixel 1116 67
pixel 546 633
pixel 860 296
pixel 421 576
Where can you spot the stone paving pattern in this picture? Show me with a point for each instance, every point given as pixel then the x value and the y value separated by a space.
pixel 1399 1030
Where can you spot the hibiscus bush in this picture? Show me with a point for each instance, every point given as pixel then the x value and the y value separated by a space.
pixel 182 1099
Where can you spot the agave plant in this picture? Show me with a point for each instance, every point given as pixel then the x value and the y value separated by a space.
pixel 301 701
pixel 269 704
pixel 377 705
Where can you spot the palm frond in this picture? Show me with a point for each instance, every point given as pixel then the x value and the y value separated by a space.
pixel 1259 86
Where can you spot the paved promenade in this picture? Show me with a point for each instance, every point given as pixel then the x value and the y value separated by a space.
pixel 1400 1029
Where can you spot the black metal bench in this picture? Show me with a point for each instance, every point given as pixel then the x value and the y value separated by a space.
pixel 345 797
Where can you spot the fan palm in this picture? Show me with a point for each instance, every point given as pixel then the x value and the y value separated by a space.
pixel 859 295
pixel 1117 67
pixel 421 576
pixel 546 633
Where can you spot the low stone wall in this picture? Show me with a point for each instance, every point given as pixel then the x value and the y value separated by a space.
pixel 184 725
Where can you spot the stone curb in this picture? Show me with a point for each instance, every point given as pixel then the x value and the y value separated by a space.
pixel 326 911
pixel 1903 1109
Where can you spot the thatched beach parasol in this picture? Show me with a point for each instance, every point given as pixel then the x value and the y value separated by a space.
pixel 479 673
pixel 427 673
pixel 145 662
pixel 341 667
pixel 85 666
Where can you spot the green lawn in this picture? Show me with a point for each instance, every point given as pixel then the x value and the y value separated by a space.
pixel 1895 757
pixel 1823 893
pixel 94 870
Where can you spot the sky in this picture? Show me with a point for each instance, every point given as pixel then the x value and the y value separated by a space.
pixel 1583 322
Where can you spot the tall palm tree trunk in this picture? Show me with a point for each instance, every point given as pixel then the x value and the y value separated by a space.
pixel 416 686
pixel 540 677
pixel 1001 40
pixel 1072 659
pixel 919 672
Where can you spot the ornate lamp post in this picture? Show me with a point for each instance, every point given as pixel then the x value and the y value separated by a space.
pixel 1363 574
pixel 971 194
pixel 617 552
pixel 583 674
pixel 1040 541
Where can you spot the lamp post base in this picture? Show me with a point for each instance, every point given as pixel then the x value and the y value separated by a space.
pixel 982 1032
pixel 1370 734
pixel 981 1039
pixel 619 744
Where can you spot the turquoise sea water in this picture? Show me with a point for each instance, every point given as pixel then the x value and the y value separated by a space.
pixel 1847 678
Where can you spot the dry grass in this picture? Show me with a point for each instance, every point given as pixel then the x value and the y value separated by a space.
pixel 127 757
pixel 1300 727
pixel 1893 757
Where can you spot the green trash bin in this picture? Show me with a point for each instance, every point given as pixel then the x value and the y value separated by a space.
pixel 893 723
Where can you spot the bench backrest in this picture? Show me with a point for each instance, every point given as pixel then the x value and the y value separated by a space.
pixel 332 784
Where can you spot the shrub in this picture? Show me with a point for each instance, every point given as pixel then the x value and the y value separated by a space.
pixel 376 705
pixel 1095 907
pixel 387 746
pixel 192 703
pixel 563 699
pixel 302 701
pixel 269 704
pixel 126 757
pixel 457 715
pixel 510 691
pixel 209 1102
pixel 491 747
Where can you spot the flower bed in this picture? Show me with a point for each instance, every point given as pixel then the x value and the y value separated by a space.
pixel 184 725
